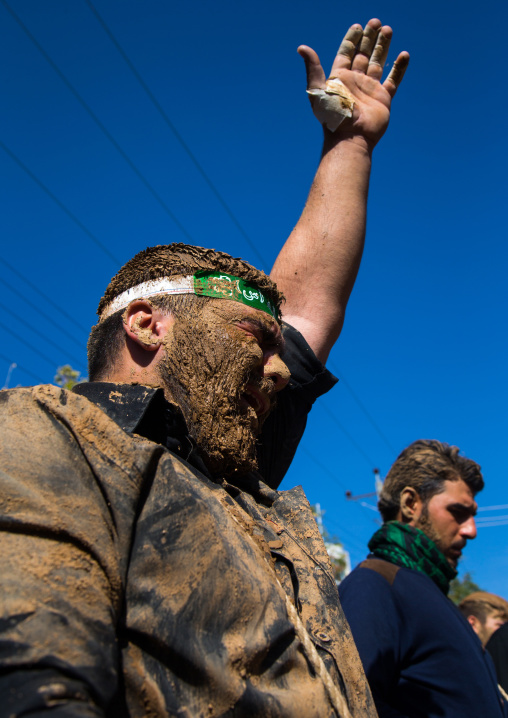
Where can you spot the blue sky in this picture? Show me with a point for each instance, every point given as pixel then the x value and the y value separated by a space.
pixel 91 173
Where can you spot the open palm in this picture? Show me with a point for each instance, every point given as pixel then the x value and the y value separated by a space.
pixel 359 65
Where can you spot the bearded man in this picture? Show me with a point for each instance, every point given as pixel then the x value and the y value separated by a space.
pixel 147 569
pixel 419 653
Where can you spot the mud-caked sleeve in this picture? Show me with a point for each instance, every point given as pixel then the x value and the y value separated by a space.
pixel 368 603
pixel 284 427
pixel 59 586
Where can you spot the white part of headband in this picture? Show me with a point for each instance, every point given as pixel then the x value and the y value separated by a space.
pixel 164 285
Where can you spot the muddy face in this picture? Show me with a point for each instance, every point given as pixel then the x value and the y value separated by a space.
pixel 222 368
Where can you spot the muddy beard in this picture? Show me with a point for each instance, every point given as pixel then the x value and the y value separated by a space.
pixel 205 373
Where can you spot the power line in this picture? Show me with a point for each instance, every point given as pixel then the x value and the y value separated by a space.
pixel 217 194
pixel 322 466
pixel 143 179
pixel 45 338
pixel 178 136
pixel 346 433
pixel 44 296
pixel 99 124
pixel 43 314
pixel 363 408
pixel 490 519
pixel 77 221
pixel 325 470
pixel 58 202
pixel 8 331
pixel 353 539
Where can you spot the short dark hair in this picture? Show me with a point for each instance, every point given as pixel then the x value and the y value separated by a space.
pixel 425 465
pixel 108 337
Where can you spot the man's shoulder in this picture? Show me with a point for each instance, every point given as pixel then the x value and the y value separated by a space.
pixel 34 398
pixel 60 426
pixel 46 400
pixel 384 568
pixel 375 582
pixel 372 572
pixel 36 394
pixel 370 588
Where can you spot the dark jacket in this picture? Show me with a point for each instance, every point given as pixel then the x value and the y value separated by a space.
pixel 421 657
pixel 498 649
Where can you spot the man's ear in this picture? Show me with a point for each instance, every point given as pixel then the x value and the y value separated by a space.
pixel 145 324
pixel 475 623
pixel 411 505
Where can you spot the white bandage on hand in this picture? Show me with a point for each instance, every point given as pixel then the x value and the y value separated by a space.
pixel 333 104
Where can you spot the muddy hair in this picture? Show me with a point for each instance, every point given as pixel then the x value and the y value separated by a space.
pixel 107 337
pixel 482 605
pixel 425 465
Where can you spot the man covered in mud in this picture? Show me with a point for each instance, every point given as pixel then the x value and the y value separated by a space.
pixel 421 658
pixel 147 568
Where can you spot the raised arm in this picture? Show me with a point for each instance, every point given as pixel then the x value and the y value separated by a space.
pixel 317 267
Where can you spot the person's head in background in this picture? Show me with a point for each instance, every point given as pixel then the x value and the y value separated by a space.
pixel 486 612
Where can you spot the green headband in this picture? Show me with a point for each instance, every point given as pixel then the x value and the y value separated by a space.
pixel 204 283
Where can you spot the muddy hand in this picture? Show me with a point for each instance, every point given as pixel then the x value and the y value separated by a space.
pixel 353 102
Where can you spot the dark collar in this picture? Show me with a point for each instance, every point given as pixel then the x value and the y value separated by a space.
pixel 143 410
pixel 126 404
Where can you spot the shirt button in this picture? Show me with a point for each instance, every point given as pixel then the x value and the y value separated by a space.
pixel 275 544
pixel 324 637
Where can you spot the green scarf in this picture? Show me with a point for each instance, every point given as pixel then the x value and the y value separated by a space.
pixel 406 546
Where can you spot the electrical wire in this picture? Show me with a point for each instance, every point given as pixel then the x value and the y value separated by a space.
pixel 35 331
pixel 219 197
pixel 363 408
pixel 8 333
pixel 143 179
pixel 41 312
pixel 327 471
pixel 178 136
pixel 44 296
pixel 99 124
pixel 360 546
pixel 60 204
pixel 322 466
pixel 346 433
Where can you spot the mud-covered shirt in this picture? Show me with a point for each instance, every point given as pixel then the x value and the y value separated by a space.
pixel 134 585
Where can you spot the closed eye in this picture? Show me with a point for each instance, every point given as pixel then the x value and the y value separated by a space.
pixel 268 337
